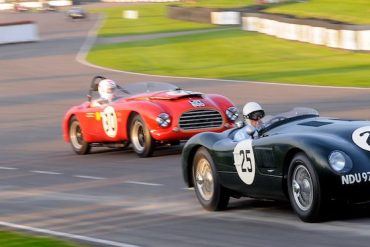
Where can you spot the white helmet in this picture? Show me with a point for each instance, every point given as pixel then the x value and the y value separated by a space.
pixel 106 89
pixel 252 107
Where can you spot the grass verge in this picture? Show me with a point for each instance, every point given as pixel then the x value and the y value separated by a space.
pixel 217 3
pixel 240 55
pixel 152 19
pixel 12 239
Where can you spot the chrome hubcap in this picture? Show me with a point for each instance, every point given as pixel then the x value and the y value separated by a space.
pixel 204 179
pixel 138 136
pixel 75 135
pixel 302 187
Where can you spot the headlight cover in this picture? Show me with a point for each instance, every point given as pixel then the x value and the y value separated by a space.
pixel 163 120
pixel 339 161
pixel 232 113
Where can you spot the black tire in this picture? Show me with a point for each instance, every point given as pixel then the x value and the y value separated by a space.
pixel 210 193
pixel 304 190
pixel 140 138
pixel 76 137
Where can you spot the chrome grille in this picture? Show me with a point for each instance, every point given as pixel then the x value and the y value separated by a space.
pixel 200 119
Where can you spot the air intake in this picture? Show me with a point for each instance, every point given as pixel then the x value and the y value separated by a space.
pixel 315 123
pixel 200 119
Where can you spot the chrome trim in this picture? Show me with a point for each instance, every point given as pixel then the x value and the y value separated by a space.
pixel 201 119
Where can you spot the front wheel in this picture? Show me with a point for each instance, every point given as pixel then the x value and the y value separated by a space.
pixel 304 189
pixel 210 193
pixel 141 140
pixel 76 137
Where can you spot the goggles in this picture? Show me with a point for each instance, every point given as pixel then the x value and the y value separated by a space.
pixel 256 115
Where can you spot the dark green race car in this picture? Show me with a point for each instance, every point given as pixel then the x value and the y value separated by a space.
pixel 311 161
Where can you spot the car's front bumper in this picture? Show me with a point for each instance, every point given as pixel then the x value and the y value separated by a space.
pixel 174 133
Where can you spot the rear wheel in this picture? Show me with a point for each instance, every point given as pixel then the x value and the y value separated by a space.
pixel 76 137
pixel 304 189
pixel 210 193
pixel 141 140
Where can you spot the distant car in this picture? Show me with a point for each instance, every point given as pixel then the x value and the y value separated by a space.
pixel 77 13
pixel 20 7
pixel 146 115
pixel 313 162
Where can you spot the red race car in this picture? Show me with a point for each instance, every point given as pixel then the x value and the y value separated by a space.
pixel 145 115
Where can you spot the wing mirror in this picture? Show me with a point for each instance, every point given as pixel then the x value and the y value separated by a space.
pixel 239 124
pixel 250 130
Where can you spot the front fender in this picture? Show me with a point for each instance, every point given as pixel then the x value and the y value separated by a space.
pixel 207 140
pixel 146 109
pixel 318 147
pixel 222 102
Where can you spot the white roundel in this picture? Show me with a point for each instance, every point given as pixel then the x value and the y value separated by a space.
pixel 244 161
pixel 361 137
pixel 109 120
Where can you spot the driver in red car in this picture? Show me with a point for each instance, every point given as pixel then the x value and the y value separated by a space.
pixel 106 91
pixel 252 113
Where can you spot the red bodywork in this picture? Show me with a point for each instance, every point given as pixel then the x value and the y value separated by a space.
pixel 148 106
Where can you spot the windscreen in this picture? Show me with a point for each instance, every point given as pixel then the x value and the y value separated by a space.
pixel 147 87
pixel 273 120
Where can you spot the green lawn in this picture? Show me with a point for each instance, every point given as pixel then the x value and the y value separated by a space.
pixel 12 239
pixel 152 19
pixel 236 54
pixel 352 11
pixel 217 3
pixel 232 53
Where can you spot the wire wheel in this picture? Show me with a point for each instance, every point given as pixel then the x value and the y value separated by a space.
pixel 208 188
pixel 305 193
pixel 204 179
pixel 141 140
pixel 138 136
pixel 302 187
pixel 76 137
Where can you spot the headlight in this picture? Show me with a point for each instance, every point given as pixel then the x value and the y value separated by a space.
pixel 163 120
pixel 232 113
pixel 340 162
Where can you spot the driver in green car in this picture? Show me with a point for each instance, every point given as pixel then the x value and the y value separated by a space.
pixel 252 113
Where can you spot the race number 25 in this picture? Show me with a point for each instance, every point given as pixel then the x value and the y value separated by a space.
pixel 246 161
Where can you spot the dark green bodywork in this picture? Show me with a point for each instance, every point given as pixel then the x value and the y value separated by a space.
pixel 315 136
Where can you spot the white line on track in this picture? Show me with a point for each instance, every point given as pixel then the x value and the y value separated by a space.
pixel 8 168
pixel 91 37
pixel 67 235
pixel 88 177
pixel 143 183
pixel 47 172
pixel 192 188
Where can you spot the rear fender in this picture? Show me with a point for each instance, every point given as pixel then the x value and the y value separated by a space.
pixel 67 118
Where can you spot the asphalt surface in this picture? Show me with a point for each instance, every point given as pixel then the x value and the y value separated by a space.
pixel 114 198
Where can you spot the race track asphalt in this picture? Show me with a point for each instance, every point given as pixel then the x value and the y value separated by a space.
pixel 114 198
